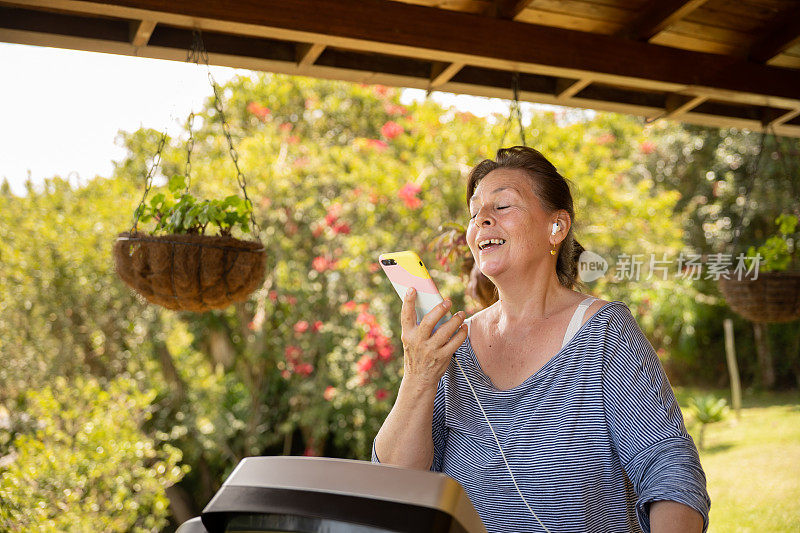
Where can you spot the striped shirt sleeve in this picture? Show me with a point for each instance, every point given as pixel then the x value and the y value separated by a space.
pixel 438 430
pixel 646 425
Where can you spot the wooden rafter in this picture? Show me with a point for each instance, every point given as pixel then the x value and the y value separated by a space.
pixel 678 104
pixel 660 15
pixel 392 43
pixel 307 54
pixel 566 88
pixel 141 31
pixel 783 33
pixel 507 9
pixel 441 73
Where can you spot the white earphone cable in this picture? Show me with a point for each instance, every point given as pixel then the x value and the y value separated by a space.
pixel 502 454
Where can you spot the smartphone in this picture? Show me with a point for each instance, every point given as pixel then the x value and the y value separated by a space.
pixel 405 269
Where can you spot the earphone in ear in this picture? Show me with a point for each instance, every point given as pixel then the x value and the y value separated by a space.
pixel 555 229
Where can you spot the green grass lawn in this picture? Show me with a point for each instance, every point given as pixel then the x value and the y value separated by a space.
pixel 752 464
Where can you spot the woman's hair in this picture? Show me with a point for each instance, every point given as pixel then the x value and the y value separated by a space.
pixel 553 193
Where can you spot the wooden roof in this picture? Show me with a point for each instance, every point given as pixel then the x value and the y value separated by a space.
pixel 712 62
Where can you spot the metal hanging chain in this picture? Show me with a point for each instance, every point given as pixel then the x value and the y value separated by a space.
pixel 148 183
pixel 514 109
pixel 189 146
pixel 199 51
pixel 784 165
pixel 748 189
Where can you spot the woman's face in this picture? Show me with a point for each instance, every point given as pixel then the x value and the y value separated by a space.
pixel 504 206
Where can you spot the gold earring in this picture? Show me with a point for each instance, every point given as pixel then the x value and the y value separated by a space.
pixel 553 251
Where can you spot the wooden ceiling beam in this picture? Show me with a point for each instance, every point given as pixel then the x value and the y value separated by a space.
pixel 657 17
pixel 283 61
pixel 507 9
pixel 308 53
pixel 783 33
pixel 433 34
pixel 567 88
pixel 141 31
pixel 786 117
pixel 678 104
pixel 441 73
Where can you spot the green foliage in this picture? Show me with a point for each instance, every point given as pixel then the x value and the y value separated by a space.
pixel 183 213
pixel 778 252
pixel 83 464
pixel 707 409
pixel 751 462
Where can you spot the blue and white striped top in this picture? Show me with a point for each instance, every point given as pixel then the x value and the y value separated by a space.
pixel 593 437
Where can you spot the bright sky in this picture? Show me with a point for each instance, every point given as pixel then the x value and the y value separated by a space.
pixel 61 109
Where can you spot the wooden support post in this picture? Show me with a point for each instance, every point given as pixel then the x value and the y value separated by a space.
pixel 764 355
pixel 733 369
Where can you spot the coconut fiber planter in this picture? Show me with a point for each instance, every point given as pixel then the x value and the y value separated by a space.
pixel 771 297
pixel 190 272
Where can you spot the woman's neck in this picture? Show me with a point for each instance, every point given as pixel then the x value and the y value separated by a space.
pixel 529 299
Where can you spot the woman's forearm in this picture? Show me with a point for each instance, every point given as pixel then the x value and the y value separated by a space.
pixel 406 437
pixel 673 517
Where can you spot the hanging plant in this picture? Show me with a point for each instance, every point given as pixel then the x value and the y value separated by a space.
pixel 773 294
pixel 770 291
pixel 177 265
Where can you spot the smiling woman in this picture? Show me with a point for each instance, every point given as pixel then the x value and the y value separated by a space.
pixel 553 412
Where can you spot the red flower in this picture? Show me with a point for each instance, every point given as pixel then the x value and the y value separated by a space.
pixel 300 162
pixel 391 129
pixel 357 191
pixel 316 232
pixel 286 127
pixel 377 144
pixel 342 228
pixel 409 195
pixel 293 139
pixel 317 326
pixel 329 393
pixel 285 374
pixel 365 318
pixel 292 300
pixel 382 90
pixel 349 306
pixel 647 147
pixel 385 353
pixel 393 109
pixel 273 295
pixel 320 264
pixel 304 369
pixel 293 353
pixel 365 364
pixel 606 138
pixel 251 326
pixel 301 326
pixel 258 110
pixel 374 267
pixel 380 394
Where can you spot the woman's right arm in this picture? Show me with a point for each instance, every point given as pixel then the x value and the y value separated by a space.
pixel 406 439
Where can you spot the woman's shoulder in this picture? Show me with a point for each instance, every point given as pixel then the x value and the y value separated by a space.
pixel 610 312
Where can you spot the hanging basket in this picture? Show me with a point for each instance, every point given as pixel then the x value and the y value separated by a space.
pixel 771 297
pixel 190 272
